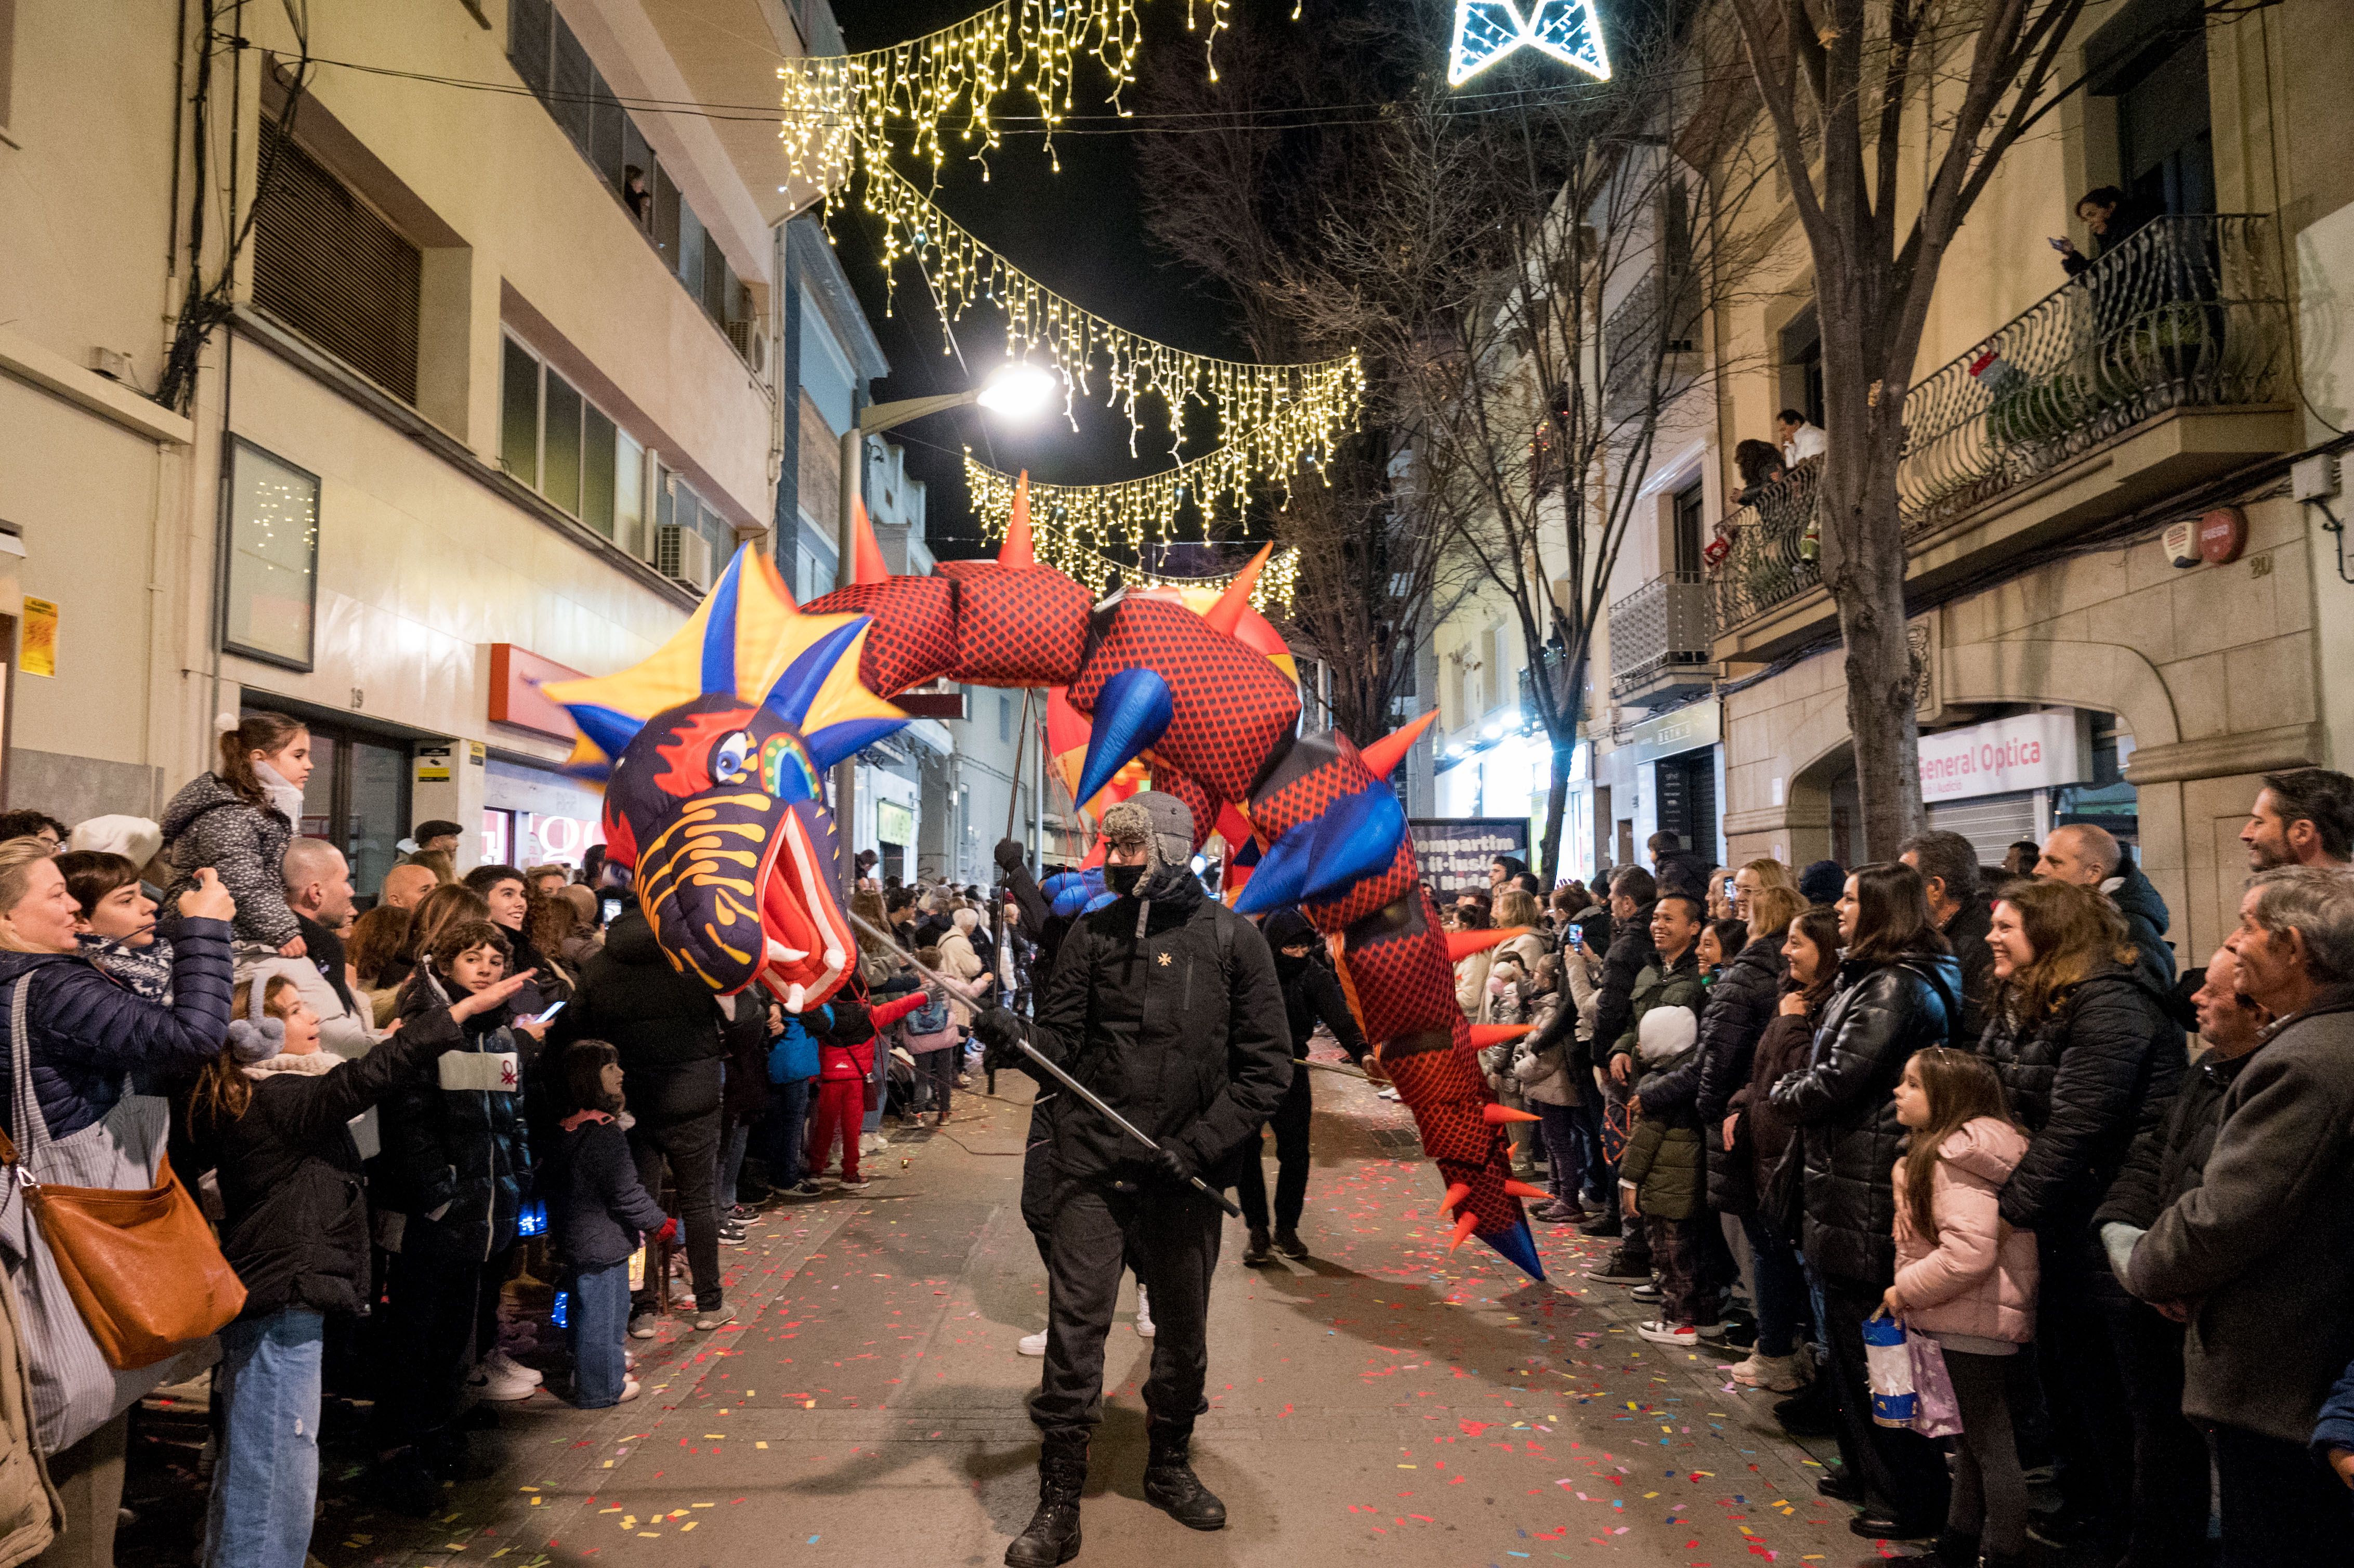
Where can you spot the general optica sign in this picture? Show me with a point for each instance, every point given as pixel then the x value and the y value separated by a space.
pixel 2033 751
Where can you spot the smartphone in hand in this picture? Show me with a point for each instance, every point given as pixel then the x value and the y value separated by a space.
pixel 550 1014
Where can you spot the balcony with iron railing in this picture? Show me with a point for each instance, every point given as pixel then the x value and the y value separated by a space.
pixel 1661 642
pixel 2164 364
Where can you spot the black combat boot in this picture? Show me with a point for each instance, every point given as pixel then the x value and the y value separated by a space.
pixel 1170 1485
pixel 1052 1537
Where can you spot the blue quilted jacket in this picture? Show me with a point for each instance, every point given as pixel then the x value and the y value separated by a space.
pixel 90 1030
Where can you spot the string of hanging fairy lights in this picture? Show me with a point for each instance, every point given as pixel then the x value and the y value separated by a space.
pixel 1071 525
pixel 1291 414
pixel 837 105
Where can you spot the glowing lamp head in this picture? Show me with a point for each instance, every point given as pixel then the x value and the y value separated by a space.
pixel 1020 390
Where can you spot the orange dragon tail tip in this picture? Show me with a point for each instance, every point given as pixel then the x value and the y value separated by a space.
pixel 1461 945
pixel 1500 1116
pixel 1486 1035
pixel 1463 1229
pixel 1522 1190
pixel 1456 1193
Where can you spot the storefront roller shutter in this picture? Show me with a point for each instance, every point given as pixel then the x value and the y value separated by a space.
pixel 1991 822
pixel 326 264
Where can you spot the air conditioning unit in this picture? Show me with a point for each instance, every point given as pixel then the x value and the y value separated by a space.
pixel 684 556
pixel 751 342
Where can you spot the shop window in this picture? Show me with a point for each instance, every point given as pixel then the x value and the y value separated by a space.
pixel 272 558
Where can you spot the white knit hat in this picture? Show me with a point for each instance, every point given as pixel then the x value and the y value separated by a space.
pixel 136 839
pixel 1666 1034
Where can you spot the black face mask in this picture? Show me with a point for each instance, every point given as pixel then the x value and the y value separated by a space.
pixel 1122 879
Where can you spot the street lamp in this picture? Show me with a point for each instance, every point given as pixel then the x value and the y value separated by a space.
pixel 1015 390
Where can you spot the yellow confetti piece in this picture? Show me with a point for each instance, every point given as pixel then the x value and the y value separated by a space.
pixel 690 1524
pixel 761 1445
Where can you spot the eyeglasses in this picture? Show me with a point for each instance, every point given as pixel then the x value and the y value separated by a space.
pixel 1125 843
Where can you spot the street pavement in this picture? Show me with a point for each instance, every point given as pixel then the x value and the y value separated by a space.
pixel 1384 1402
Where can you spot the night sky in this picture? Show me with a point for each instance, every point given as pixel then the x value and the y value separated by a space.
pixel 1079 232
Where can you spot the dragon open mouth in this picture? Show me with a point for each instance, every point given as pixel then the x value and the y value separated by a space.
pixel 810 946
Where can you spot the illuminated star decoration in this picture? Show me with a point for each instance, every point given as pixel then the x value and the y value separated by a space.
pixel 1487 30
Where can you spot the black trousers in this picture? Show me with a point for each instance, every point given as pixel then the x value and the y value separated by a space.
pixel 1290 1123
pixel 1897 1466
pixel 690 1146
pixel 1169 1235
pixel 1038 1181
pixel 2279 1505
pixel 2170 1463
pixel 428 1323
pixel 2093 1422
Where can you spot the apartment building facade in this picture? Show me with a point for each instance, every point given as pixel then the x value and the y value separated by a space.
pixel 2124 611
pixel 497 388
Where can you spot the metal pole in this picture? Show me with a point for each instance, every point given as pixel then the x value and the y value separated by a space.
pixel 845 772
pixel 1068 1082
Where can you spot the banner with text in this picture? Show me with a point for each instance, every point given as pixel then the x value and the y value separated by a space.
pixel 2032 751
pixel 1455 853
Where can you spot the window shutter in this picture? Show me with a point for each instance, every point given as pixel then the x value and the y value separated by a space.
pixel 326 265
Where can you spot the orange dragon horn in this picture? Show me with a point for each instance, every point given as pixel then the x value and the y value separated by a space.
pixel 1456 1193
pixel 1522 1190
pixel 1486 1035
pixel 1016 551
pixel 1498 1116
pixel 1385 754
pixel 1227 613
pixel 1461 945
pixel 1463 1229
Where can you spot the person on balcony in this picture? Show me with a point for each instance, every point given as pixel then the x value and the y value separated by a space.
pixel 1760 464
pixel 2111 215
pixel 1800 439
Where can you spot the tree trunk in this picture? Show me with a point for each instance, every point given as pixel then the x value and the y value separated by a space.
pixel 1864 565
pixel 1556 804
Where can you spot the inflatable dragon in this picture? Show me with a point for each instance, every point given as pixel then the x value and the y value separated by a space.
pixel 713 750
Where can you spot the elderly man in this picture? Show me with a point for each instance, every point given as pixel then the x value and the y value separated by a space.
pixel 2304 818
pixel 2260 1253
pixel 1948 864
pixel 319 892
pixel 2092 857
pixel 2169 1458
pixel 406 885
pixel 438 834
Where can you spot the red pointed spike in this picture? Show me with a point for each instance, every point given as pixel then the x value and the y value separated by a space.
pixel 867 563
pixel 1486 1035
pixel 1498 1116
pixel 1461 945
pixel 1227 613
pixel 1385 754
pixel 1522 1190
pixel 1456 1193
pixel 1016 551
pixel 1463 1229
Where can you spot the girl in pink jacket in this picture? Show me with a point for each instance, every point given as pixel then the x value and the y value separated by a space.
pixel 1965 1279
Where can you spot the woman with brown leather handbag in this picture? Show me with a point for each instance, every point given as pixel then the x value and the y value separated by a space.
pixel 76 1041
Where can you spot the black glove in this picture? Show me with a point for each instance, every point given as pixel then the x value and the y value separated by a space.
pixel 1000 1033
pixel 1010 855
pixel 1174 1161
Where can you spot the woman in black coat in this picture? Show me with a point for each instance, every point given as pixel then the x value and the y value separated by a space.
pixel 2089 1055
pixel 271 1118
pixel 1899 991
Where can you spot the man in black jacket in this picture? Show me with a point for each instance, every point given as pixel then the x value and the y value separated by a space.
pixel 1312 993
pixel 2092 857
pixel 666 1027
pixel 1948 864
pixel 2170 1484
pixel 1166 1005
pixel 1632 894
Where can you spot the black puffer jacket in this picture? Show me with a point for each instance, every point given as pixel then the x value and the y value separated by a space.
pixel 1880 1014
pixel 1182 1031
pixel 297 1227
pixel 1965 933
pixel 456 1160
pixel 2082 1083
pixel 2146 921
pixel 2169 1160
pixel 1740 1004
pixel 1631 952
pixel 631 997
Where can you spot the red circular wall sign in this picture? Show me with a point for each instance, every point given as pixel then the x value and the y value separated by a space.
pixel 2223 535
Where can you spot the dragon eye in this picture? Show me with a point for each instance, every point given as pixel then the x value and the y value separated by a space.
pixel 728 758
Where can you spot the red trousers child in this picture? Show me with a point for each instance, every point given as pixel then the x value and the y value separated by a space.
pixel 840 1107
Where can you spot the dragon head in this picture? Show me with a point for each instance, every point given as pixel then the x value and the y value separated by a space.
pixel 713 753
